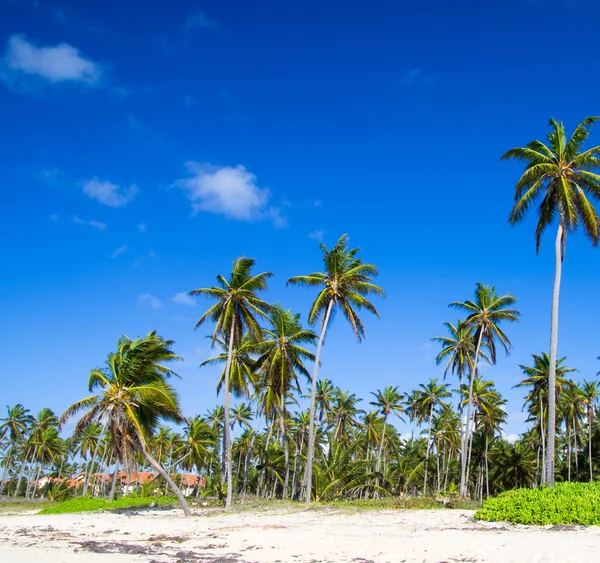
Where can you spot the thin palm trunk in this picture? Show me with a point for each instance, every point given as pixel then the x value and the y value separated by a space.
pixel 313 393
pixel 551 448
pixel 113 485
pixel 543 440
pixel 463 462
pixel 167 478
pixel 379 452
pixel 226 429
pixel 575 448
pixel 590 445
pixel 487 468
pixel 286 452
pixel 569 454
pixel 427 450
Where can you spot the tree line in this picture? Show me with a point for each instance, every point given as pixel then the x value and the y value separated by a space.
pixel 335 449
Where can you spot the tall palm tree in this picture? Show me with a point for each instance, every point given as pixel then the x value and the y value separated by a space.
pixel 324 399
pixel 485 313
pixel 282 358
pixel 537 400
pixel 430 396
pixel 573 410
pixel 236 311
pixel 344 284
pixel 389 401
pixel 16 424
pixel 591 392
pixel 563 176
pixel 133 396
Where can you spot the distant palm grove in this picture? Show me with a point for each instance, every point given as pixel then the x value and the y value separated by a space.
pixel 283 432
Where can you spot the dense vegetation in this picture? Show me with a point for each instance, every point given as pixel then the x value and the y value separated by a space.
pixel 84 504
pixel 267 444
pixel 566 503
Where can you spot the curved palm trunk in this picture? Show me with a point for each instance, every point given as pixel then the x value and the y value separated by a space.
pixel 313 392
pixel 113 485
pixel 551 426
pixel 379 452
pixel 167 478
pixel 463 453
pixel 227 429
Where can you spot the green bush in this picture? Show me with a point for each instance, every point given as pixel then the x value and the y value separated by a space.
pixel 565 503
pixel 93 504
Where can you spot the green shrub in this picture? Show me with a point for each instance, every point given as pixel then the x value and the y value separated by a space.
pixel 565 503
pixel 93 504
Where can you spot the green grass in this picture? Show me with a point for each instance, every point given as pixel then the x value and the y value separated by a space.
pixel 94 504
pixel 12 507
pixel 566 503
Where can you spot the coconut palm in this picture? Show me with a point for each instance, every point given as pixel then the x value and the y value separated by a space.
pixel 429 398
pixel 562 175
pixel 389 401
pixel 485 313
pixel 282 358
pixel 133 396
pixel 236 311
pixel 344 284
pixel 591 392
pixel 324 399
pixel 15 425
pixel 536 400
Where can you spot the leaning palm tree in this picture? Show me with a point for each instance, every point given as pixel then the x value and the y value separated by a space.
pixel 344 284
pixel 485 313
pixel 235 313
pixel 133 396
pixel 562 175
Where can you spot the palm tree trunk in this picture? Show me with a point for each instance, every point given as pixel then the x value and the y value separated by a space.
pixel 427 450
pixel 542 440
pixel 568 454
pixel 379 452
pixel 23 467
pixel 313 393
pixel 437 455
pixel 463 453
pixel 226 429
pixel 487 468
pixel 113 485
pixel 575 448
pixel 551 448
pixel 167 478
pixel 286 453
pixel 590 445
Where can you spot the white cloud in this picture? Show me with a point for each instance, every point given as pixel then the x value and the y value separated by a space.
pixel 118 251
pixel 199 20
pixel 59 63
pixel 108 193
pixel 141 227
pixel 184 299
pixel 229 191
pixel 54 218
pixel 317 234
pixel 148 299
pixel 93 223
pixel 512 438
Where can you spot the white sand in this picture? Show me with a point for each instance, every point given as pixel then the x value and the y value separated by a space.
pixel 308 536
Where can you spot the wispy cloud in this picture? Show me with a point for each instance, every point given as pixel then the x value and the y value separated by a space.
pixel 416 76
pixel 149 300
pixel 231 191
pixel 58 63
pixel 54 217
pixel 108 193
pixel 184 299
pixel 118 251
pixel 141 227
pixel 93 223
pixel 317 234
pixel 199 20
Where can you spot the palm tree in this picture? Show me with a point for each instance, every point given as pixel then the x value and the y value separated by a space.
pixel 591 393
pixel 281 361
pixel 234 313
pixel 429 397
pixel 344 284
pixel 485 313
pixel 389 401
pixel 563 176
pixel 133 396
pixel 573 410
pixel 344 414
pixel 537 400
pixel 324 399
pixel 15 425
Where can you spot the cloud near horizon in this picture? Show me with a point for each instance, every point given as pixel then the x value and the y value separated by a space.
pixel 108 193
pixel 229 191
pixel 58 63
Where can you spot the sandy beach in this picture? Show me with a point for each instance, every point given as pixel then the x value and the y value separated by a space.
pixel 164 536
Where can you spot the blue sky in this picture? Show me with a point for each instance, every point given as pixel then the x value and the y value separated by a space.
pixel 148 145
